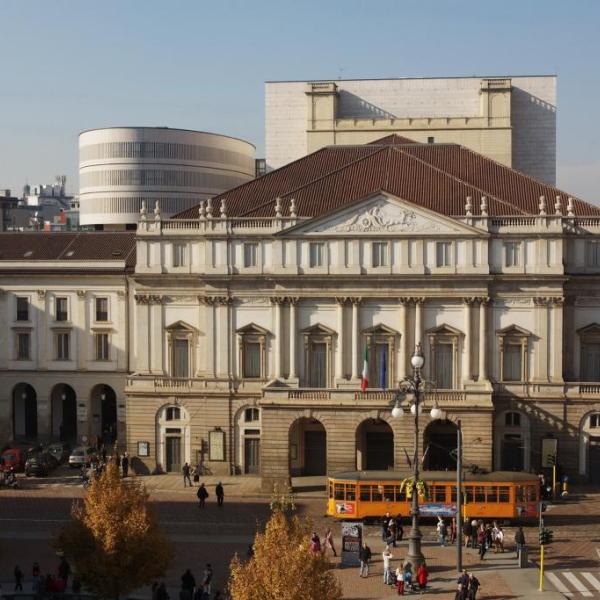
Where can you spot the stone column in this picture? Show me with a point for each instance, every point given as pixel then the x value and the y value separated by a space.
pixel 156 335
pixel 403 338
pixel 82 329
pixel 277 302
pixel 209 351
pixel 142 341
pixel 355 336
pixel 466 367
pixel 418 320
pixel 556 369
pixel 293 340
pixel 44 349
pixel 339 356
pixel 483 375
pixel 541 344
pixel 223 367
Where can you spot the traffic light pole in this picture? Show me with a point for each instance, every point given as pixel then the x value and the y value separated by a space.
pixel 542 568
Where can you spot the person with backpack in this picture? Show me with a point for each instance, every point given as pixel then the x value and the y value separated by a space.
pixel 364 555
pixel 202 494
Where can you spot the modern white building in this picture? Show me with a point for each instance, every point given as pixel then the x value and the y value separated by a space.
pixel 120 168
pixel 511 119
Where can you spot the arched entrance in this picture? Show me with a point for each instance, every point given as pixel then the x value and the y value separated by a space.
pixel 308 448
pixel 24 413
pixel 512 441
pixel 374 446
pixel 589 447
pixel 172 438
pixel 440 441
pixel 104 414
pixel 64 413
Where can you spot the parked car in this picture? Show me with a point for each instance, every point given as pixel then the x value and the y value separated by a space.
pixel 59 450
pixel 39 464
pixel 82 455
pixel 13 457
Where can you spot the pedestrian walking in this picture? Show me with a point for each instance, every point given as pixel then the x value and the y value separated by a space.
pixel 385 523
pixel 197 471
pixel 161 592
pixel 422 576
pixel 500 539
pixel 186 475
pixel 125 464
pixel 467 532
pixel 35 570
pixel 408 577
pixel 202 494
pixel 399 528
pixel 463 586
pixel 453 530
pixel 207 578
pixel 520 539
pixel 315 543
pixel 364 555
pixel 474 531
pixel 188 582
pixel 387 570
pixel 441 531
pixel 481 540
pixel 18 579
pixel 328 541
pixel 220 493
pixel 393 529
pixel 64 570
pixel 474 586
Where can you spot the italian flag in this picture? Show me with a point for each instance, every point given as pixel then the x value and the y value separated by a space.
pixel 364 384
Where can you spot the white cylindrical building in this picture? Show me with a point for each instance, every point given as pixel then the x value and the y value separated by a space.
pixel 120 167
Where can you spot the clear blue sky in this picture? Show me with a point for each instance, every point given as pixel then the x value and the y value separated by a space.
pixel 68 65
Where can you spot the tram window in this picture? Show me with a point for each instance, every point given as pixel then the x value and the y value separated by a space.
pixel 400 493
pixel 350 491
pixel 492 493
pixel 520 493
pixel 469 493
pixel 479 493
pixel 453 494
pixel 365 493
pixel 439 493
pixel 531 495
pixel 339 491
pixel 388 493
pixel 377 493
pixel 504 493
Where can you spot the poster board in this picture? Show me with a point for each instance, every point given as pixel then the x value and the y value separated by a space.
pixel 352 534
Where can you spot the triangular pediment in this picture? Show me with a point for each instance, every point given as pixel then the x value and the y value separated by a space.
pixel 318 329
pixel 444 329
pixel 514 330
pixel 380 328
pixel 591 329
pixel 384 214
pixel 252 329
pixel 181 326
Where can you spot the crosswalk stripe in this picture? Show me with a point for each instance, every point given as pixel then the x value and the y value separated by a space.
pixel 558 584
pixel 595 583
pixel 577 584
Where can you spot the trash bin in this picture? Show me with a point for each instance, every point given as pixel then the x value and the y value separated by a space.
pixel 523 559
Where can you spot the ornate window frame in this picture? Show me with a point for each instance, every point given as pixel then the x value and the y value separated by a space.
pixel 318 334
pixel 587 335
pixel 515 336
pixel 252 333
pixel 180 330
pixel 382 334
pixel 445 334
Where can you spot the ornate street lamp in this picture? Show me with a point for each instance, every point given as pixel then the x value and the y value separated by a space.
pixel 414 387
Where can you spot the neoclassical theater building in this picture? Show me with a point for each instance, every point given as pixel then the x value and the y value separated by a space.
pixel 244 321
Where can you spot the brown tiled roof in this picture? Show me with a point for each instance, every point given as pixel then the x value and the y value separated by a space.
pixel 68 246
pixel 436 176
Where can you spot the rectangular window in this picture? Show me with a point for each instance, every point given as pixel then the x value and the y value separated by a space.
pixel 252 360
pixel 512 254
pixel 439 493
pixel 592 254
pixel 504 493
pixel 444 367
pixel 590 362
pixel 479 494
pixel 61 309
pixel 63 346
pixel 250 255
pixel 22 308
pixel 443 252
pixel 317 254
pixel 511 366
pixel 23 346
pixel 179 255
pixel 101 309
pixel 594 421
pixel 380 252
pixel 318 365
pixel 379 366
pixel 181 358
pixel 102 352
pixel 339 491
pixel 430 140
pixel 492 493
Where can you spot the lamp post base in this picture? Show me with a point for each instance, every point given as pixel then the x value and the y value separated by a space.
pixel 415 556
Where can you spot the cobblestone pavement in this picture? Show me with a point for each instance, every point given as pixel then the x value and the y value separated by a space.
pixel 29 517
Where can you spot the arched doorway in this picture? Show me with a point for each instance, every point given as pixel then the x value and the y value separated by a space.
pixel 512 441
pixel 308 447
pixel 64 413
pixel 374 446
pixel 589 447
pixel 172 438
pixel 24 413
pixel 104 413
pixel 440 441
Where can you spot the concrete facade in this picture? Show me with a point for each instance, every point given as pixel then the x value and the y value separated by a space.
pixel 509 119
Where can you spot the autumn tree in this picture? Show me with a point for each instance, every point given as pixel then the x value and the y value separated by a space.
pixel 283 566
pixel 113 540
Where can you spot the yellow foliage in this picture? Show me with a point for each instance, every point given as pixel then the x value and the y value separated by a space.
pixel 283 566
pixel 113 540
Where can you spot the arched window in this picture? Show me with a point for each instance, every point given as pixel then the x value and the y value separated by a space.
pixel 173 413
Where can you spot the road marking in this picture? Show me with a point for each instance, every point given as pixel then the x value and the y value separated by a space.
pixel 558 584
pixel 577 584
pixel 595 583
